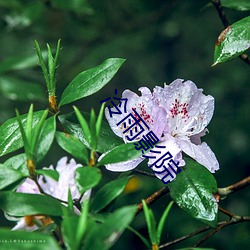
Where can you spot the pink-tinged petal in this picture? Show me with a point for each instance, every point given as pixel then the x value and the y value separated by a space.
pixel 196 139
pixel 189 110
pixel 21 225
pixel 125 165
pixel 201 153
pixel 173 148
pixel 59 189
pixel 29 187
pixel 153 115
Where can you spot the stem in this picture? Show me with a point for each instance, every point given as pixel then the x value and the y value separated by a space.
pixel 223 192
pixel 152 198
pixel 144 173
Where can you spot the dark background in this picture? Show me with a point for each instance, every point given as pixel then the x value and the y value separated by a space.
pixel 161 41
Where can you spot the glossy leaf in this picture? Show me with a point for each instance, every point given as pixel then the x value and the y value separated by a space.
pixel 233 41
pixel 10 136
pixel 193 191
pixel 73 146
pixel 53 174
pixel 120 153
pixel 18 162
pixel 107 138
pixel 241 5
pixel 87 177
pixel 20 204
pixel 19 90
pixel 105 235
pixel 16 240
pixel 46 137
pixel 108 193
pixel 8 176
pixel 90 81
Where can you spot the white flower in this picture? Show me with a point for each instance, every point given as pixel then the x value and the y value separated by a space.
pixel 178 114
pixel 58 189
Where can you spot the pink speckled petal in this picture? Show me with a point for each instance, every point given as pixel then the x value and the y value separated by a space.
pixel 201 153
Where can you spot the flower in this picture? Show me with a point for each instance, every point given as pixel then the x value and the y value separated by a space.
pixel 178 114
pixel 58 189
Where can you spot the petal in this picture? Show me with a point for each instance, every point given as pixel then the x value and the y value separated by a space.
pixel 172 147
pixel 201 153
pixel 29 187
pixel 189 110
pixel 21 225
pixel 125 165
pixel 153 115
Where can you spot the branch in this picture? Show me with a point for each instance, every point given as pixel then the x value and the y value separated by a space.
pixel 235 220
pixel 144 173
pixel 152 198
pixel 223 192
pixel 226 23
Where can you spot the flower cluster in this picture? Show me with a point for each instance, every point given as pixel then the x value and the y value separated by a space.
pixel 58 189
pixel 178 114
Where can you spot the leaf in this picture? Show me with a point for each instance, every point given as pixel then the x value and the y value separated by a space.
pixel 233 41
pixel 10 136
pixel 151 223
pixel 241 5
pixel 18 162
pixel 87 177
pixel 107 139
pixel 19 63
pixel 193 191
pixel 120 153
pixel 8 176
pixel 53 174
pixel 162 221
pixel 105 235
pixel 90 81
pixel 19 90
pixel 73 146
pixel 108 193
pixel 16 240
pixel 46 137
pixel 20 204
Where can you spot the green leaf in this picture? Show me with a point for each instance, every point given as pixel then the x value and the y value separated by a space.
pixel 150 219
pixel 120 153
pixel 162 221
pixel 10 136
pixel 90 81
pixel 241 5
pixel 20 204
pixel 233 41
pixel 107 139
pixel 16 240
pixel 105 235
pixel 92 126
pixel 108 193
pixel 143 239
pixel 87 177
pixel 195 248
pixel 53 174
pixel 19 63
pixel 19 90
pixel 84 125
pixel 46 138
pixel 99 121
pixel 18 162
pixel 193 191
pixel 8 176
pixel 73 146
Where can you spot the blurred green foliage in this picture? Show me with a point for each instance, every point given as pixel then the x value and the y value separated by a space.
pixel 161 41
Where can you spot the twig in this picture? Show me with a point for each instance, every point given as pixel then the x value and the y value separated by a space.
pixel 224 211
pixel 144 173
pixel 223 192
pixel 226 23
pixel 235 220
pixel 152 198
